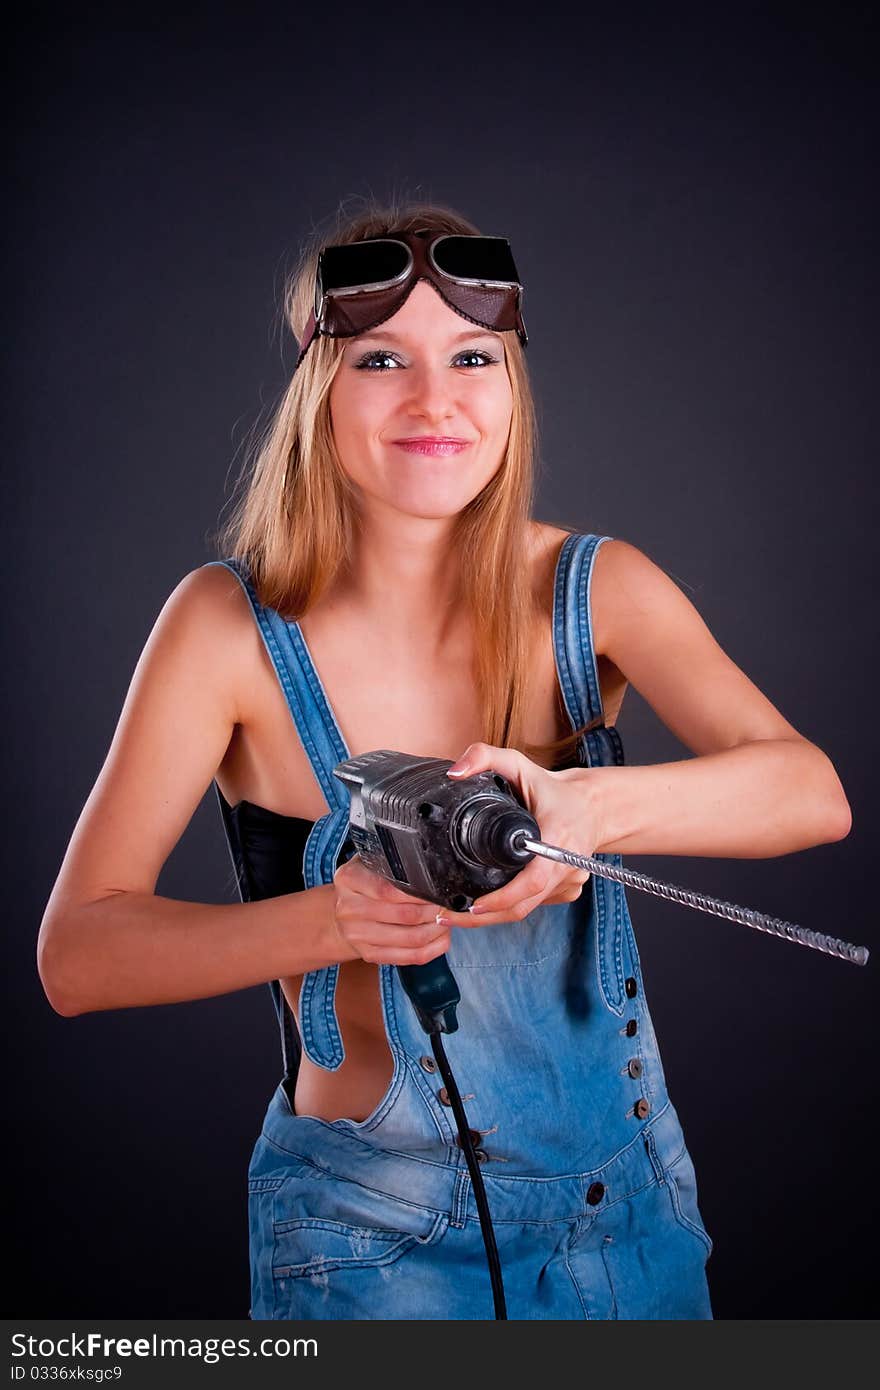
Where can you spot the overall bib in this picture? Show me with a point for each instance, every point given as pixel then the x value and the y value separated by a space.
pixel 589 1182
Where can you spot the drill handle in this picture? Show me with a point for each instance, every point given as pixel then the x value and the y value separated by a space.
pixel 434 994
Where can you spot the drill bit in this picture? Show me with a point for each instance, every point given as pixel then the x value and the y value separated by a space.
pixel 749 917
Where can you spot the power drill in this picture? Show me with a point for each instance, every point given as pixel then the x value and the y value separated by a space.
pixel 446 841
pixel 450 842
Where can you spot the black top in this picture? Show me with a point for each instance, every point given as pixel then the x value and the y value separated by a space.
pixel 266 848
pixel 267 853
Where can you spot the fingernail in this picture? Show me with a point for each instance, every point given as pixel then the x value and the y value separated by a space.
pixel 477 907
pixel 457 770
pixel 443 921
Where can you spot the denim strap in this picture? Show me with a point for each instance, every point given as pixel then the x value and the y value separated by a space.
pixel 325 746
pixel 601 747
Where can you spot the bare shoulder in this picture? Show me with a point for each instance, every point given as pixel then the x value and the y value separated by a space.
pixel 662 644
pixel 214 586
pixel 176 723
pixel 209 610
pixel 212 596
pixel 625 586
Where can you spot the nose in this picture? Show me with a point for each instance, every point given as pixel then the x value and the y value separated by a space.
pixel 431 394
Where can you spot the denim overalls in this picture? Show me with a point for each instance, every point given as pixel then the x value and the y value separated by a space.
pixel 589 1182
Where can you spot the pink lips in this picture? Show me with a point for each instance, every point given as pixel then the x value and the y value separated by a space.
pixel 433 445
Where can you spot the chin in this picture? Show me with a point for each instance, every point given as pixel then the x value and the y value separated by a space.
pixel 447 513
pixel 432 504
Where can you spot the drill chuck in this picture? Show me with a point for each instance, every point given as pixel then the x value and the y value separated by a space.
pixel 491 833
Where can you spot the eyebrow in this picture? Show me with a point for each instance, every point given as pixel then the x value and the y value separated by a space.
pixel 475 332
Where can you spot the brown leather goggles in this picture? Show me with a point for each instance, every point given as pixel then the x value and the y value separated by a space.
pixel 363 283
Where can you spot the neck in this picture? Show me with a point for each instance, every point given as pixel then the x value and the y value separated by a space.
pixel 405 566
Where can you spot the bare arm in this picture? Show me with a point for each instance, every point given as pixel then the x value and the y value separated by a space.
pixel 106 940
pixel 755 801
pixel 756 787
pixel 131 949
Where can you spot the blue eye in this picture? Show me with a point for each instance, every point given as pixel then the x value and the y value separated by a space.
pixel 475 352
pixel 366 362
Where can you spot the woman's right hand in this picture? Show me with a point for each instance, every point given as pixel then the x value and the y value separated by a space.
pixel 385 925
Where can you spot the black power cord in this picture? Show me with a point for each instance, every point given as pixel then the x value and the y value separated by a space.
pixel 476 1176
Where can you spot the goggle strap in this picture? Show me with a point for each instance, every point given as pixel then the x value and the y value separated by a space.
pixel 308 335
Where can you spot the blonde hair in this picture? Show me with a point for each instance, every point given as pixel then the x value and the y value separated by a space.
pixel 294 524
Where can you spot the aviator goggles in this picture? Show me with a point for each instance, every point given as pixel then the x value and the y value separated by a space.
pixel 361 284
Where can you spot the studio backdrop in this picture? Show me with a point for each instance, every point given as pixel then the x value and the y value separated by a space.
pixel 691 211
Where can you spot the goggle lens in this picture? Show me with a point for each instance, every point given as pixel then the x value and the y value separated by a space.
pixel 362 264
pixel 476 258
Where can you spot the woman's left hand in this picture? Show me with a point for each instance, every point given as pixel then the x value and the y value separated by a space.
pixel 567 812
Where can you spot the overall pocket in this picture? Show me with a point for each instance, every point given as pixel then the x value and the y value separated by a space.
pixel 321 1222
pixel 310 1247
pixel 363 1263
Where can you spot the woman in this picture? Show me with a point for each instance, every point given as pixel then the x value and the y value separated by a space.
pixel 443 620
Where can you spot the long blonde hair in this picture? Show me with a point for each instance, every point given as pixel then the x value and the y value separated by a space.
pixel 294 523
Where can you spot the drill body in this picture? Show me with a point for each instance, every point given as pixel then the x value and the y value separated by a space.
pixel 439 838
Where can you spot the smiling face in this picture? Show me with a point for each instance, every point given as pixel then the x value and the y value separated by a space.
pixel 423 372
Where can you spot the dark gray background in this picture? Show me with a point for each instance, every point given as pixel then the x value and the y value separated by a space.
pixel 691 209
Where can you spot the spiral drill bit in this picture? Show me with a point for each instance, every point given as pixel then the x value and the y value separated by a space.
pixel 789 931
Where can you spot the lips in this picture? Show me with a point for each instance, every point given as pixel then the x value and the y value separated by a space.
pixel 432 444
